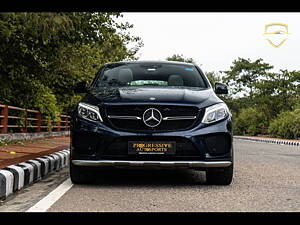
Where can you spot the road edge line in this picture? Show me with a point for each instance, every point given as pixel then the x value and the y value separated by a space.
pixel 44 204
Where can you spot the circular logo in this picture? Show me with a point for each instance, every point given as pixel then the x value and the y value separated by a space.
pixel 152 117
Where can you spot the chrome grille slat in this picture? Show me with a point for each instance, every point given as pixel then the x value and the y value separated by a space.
pixel 180 118
pixel 124 117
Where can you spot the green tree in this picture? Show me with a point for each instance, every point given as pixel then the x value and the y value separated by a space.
pixel 252 85
pixel 42 55
pixel 286 125
pixel 213 77
pixel 180 58
pixel 244 74
pixel 277 92
pixel 250 121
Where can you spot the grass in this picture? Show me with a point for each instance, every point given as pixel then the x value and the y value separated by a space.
pixel 9 142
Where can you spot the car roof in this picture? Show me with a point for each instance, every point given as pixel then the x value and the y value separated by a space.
pixel 152 62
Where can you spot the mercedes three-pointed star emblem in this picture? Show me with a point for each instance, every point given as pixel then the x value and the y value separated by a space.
pixel 152 117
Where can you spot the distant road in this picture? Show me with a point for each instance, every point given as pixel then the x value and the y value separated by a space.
pixel 267 178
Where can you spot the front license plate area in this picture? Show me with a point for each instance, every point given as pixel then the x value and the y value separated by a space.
pixel 151 147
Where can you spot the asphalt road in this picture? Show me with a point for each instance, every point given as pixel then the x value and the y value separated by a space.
pixel 266 178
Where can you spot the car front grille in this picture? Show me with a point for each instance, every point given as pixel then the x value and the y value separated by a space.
pixel 174 118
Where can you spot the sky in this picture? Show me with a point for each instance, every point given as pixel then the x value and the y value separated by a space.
pixel 215 40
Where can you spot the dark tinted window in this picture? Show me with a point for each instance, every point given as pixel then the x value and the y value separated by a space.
pixel 147 74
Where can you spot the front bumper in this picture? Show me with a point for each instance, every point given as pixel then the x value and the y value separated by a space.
pixel 92 143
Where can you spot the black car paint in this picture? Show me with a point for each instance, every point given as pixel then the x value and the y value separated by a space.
pixel 132 95
pixel 201 98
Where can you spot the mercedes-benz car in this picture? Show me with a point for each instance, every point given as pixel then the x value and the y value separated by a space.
pixel 151 114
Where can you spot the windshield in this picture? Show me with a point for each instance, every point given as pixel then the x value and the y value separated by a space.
pixel 147 74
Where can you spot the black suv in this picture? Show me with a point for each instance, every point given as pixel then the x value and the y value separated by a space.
pixel 151 114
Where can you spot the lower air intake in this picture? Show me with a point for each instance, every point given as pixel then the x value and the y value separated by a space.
pixel 218 144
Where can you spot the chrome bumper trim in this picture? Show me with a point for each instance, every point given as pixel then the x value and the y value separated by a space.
pixel 189 164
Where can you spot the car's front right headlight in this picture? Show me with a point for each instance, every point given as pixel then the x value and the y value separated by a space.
pixel 89 112
pixel 215 113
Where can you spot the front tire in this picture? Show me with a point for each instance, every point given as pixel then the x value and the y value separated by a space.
pixel 219 176
pixel 80 175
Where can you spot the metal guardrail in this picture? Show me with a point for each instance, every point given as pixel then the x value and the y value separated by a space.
pixel 30 121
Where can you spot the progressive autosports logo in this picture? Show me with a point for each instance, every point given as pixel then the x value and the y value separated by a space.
pixel 276 34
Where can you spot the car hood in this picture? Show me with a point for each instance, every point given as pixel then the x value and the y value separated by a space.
pixel 152 95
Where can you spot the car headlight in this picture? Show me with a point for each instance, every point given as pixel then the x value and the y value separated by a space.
pixel 89 112
pixel 215 113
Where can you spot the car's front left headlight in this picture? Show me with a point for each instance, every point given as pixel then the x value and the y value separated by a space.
pixel 215 113
pixel 89 112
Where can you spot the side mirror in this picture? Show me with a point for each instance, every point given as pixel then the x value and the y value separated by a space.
pixel 221 88
pixel 81 87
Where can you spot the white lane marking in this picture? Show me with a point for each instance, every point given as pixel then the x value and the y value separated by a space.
pixel 44 204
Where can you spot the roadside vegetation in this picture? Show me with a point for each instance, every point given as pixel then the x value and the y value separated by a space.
pixel 263 102
pixel 5 142
pixel 42 56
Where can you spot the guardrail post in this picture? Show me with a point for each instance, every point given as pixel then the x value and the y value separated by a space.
pixel 38 122
pixel 66 123
pixel 59 124
pixel 24 129
pixel 4 122
pixel 50 127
